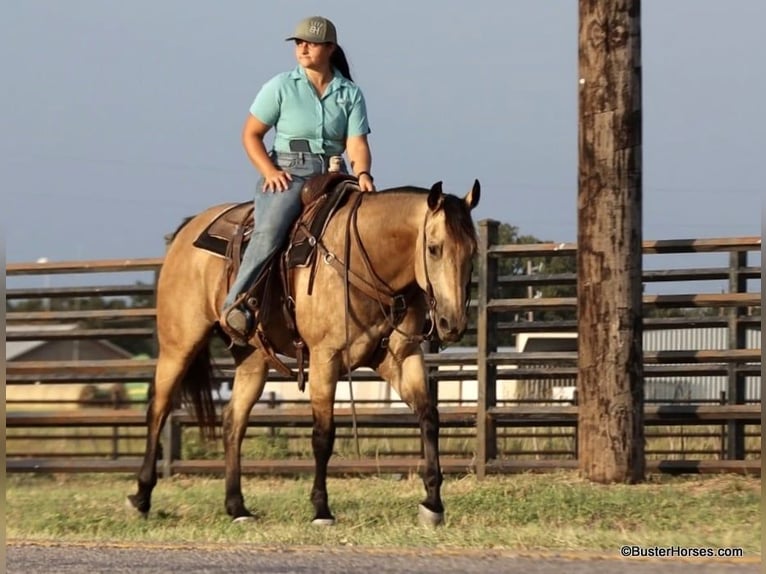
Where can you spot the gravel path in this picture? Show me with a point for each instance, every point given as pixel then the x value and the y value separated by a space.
pixel 29 558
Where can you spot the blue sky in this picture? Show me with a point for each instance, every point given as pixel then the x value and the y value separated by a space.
pixel 121 118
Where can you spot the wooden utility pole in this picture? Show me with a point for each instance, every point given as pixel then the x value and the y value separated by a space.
pixel 609 289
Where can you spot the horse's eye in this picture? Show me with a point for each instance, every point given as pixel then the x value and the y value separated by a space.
pixel 434 250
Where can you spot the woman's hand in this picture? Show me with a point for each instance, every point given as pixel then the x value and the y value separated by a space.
pixel 366 183
pixel 276 180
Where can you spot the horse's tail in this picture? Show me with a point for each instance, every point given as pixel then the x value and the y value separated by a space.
pixel 197 389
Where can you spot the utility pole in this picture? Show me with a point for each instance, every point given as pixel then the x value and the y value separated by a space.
pixel 609 258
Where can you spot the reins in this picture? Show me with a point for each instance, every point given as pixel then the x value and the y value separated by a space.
pixel 347 303
pixel 370 273
pixel 375 288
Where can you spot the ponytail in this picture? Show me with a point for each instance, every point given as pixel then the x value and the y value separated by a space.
pixel 338 60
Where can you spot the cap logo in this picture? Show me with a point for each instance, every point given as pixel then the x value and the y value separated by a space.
pixel 316 27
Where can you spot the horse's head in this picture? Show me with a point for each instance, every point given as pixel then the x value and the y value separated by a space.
pixel 448 244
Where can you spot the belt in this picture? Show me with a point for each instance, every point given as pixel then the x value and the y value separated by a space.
pixel 302 146
pixel 299 155
pixel 332 162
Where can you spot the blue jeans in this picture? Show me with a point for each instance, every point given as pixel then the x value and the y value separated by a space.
pixel 274 214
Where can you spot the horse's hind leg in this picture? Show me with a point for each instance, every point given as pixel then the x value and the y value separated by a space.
pixel 172 365
pixel 323 378
pixel 408 376
pixel 249 379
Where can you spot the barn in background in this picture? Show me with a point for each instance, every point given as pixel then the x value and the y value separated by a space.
pixel 38 395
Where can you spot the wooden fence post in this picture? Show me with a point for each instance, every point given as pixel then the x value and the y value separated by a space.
pixel 609 251
pixel 735 447
pixel 486 342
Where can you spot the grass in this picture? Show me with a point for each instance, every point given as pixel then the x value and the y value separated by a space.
pixel 554 512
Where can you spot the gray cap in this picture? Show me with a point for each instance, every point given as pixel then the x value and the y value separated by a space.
pixel 315 29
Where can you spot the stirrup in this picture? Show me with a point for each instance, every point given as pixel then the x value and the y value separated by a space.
pixel 238 338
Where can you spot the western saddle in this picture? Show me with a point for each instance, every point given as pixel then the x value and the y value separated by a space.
pixel 230 231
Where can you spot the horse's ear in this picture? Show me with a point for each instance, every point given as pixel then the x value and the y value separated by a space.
pixel 435 196
pixel 472 197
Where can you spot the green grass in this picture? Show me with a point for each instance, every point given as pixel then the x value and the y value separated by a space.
pixel 559 511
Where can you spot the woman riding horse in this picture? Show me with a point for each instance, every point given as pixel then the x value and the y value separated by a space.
pixel 317 112
pixel 389 261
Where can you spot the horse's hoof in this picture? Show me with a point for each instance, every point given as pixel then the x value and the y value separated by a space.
pixel 243 519
pixel 132 507
pixel 428 517
pixel 323 522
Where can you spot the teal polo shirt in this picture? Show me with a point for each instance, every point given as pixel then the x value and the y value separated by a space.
pixel 289 103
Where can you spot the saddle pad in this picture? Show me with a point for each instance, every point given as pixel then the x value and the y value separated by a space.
pixel 216 236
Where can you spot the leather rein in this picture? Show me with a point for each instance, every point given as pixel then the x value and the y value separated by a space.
pixel 375 288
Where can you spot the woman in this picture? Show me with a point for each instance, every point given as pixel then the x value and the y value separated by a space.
pixel 317 112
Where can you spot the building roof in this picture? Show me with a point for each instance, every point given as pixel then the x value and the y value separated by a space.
pixel 14 349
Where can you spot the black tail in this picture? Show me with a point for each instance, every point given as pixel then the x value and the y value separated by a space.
pixel 197 390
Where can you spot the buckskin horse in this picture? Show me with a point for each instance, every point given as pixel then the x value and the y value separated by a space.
pixel 410 251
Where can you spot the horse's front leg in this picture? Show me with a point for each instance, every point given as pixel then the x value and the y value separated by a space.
pixel 404 367
pixel 249 379
pixel 323 378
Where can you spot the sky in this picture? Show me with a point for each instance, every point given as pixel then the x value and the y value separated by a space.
pixel 122 118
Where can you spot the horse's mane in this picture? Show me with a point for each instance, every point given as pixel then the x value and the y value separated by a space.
pixel 179 228
pixel 459 223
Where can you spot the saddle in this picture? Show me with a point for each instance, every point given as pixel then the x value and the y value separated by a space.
pixel 230 232
pixel 234 224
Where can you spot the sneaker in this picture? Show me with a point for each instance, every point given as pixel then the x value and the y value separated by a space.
pixel 237 323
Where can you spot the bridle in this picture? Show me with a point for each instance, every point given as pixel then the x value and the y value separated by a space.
pixel 375 287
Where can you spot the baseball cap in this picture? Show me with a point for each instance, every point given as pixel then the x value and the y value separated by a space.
pixel 315 29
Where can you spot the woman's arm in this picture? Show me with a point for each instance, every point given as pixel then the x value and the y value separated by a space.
pixel 360 158
pixel 253 133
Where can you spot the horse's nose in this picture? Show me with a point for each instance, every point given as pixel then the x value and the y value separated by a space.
pixel 449 331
